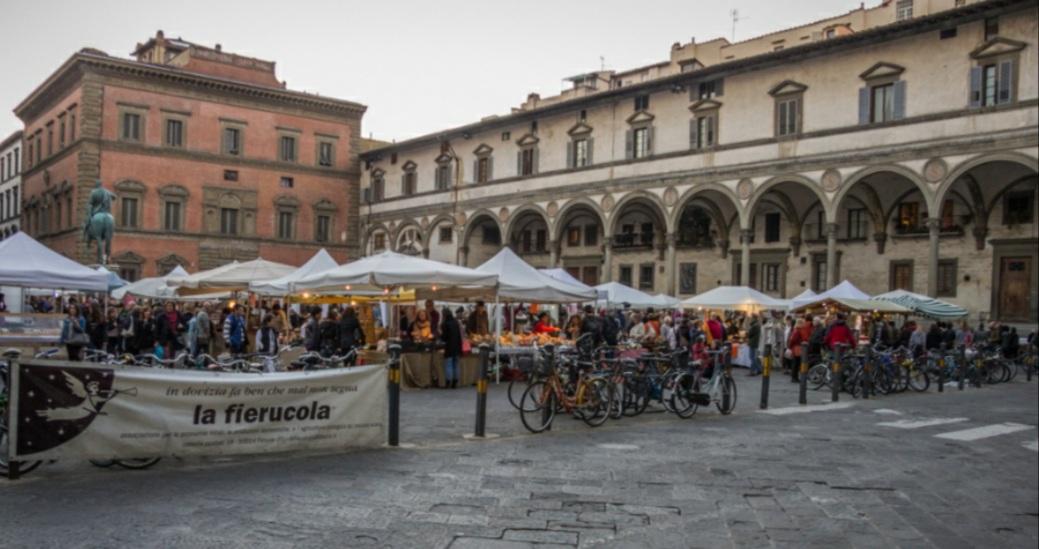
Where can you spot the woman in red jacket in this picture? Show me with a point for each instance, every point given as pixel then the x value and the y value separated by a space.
pixel 800 334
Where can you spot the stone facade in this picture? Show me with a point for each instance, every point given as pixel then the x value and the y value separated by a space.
pixel 10 184
pixel 900 152
pixel 210 157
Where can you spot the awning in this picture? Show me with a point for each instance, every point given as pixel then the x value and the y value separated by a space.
pixel 923 305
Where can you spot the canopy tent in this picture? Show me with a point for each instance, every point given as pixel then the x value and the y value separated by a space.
pixel 518 281
pixel 615 293
pixel 114 280
pixel 667 302
pixel 154 287
pixel 854 306
pixel 391 269
pixel 803 298
pixel 231 277
pixel 923 305
pixel 734 298
pixel 29 264
pixel 322 261
pixel 844 290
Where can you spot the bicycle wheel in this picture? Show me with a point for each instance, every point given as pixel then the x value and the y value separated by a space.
pixel 137 463
pixel 728 387
pixel 636 397
pixel 617 400
pixel 514 398
pixel 819 376
pixel 595 402
pixel 918 379
pixel 682 403
pixel 538 407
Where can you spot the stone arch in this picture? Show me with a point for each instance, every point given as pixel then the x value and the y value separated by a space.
pixel 764 188
pixel 569 209
pixel 398 231
pixel 653 203
pixel 994 202
pixel 475 220
pixel 435 222
pixel 523 211
pixel 700 189
pixel 967 165
pixel 472 254
pixel 902 171
pixel 704 196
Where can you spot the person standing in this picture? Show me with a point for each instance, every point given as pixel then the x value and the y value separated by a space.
pixel 74 334
pixel 204 328
pixel 267 337
pixel 169 326
pixel 451 335
pixel 234 331
pixel 753 342
pixel 191 336
pixel 350 333
pixel 310 332
pixel 113 334
pixel 478 322
pixel 434 319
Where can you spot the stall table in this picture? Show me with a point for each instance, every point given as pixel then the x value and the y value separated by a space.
pixel 421 368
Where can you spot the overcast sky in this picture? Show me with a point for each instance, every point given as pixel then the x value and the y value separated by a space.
pixel 419 65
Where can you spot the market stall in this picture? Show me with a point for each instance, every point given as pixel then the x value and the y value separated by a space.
pixel 281 286
pixel 151 288
pixel 734 298
pixel 924 306
pixel 615 294
pixel 233 277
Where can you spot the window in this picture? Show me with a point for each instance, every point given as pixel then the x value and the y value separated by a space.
pixel 378 187
pixel 788 116
pixel 408 182
pixel 39 147
pixel 379 242
pixel 581 156
pixel 323 228
pixel 287 149
pixel 128 213
pixel 174 133
pixel 992 83
pixel 770 278
pixel 948 218
pixel 72 124
pixel 772 223
pixel 232 141
pixel 856 223
pixel 582 116
pixel 625 275
pixel 286 182
pixel 527 161
pixel 882 103
pixel 573 237
pixel 908 216
pixel 709 89
pixel 324 154
pixel 171 221
pixel 230 175
pixel 29 157
pixel 640 143
pixel 991 27
pixel 646 271
pixel 641 103
pixel 61 131
pixel 988 85
pixel 819 273
pixel 442 176
pixel 228 221
pixel 483 169
pixel 946 34
pixel 947 278
pixel 285 222
pixel 505 136
pixel 703 132
pixel 50 138
pixel 901 275
pixel 446 235
pixel 131 126
pixel 129 273
pixel 591 235
pixel 541 240
pixel 1018 207
pixel 903 10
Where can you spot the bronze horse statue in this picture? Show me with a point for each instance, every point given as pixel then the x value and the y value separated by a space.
pixel 100 225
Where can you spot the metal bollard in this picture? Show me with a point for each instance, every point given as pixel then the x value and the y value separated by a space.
pixel 546 412
pixel 835 375
pixel 941 375
pixel 727 361
pixel 802 397
pixel 481 391
pixel 393 390
pixel 961 370
pixel 766 372
pixel 867 378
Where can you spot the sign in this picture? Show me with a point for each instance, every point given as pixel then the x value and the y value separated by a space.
pixel 76 410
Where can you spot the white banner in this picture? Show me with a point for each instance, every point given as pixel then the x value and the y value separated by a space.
pixel 76 410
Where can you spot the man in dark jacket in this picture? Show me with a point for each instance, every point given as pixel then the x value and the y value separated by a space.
pixel 753 341
pixel 591 330
pixel 451 335
pixel 312 331
pixel 329 333
pixel 350 332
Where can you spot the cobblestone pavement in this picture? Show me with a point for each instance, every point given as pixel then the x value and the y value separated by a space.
pixel 958 469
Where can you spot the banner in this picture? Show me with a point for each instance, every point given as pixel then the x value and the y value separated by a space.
pixel 77 410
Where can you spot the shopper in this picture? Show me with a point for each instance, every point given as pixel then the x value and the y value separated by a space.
pixel 74 333
pixel 452 338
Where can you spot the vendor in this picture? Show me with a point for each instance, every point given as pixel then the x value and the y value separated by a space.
pixel 421 329
pixel 477 322
pixel 544 325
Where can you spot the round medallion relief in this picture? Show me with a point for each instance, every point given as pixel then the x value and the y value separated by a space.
pixel 503 214
pixel 744 189
pixel 552 209
pixel 935 170
pixel 670 196
pixel 607 202
pixel 831 180
pixel 460 219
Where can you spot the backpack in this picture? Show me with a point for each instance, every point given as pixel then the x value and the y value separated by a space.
pixel 815 342
pixel 610 330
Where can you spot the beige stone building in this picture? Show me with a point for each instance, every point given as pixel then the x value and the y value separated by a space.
pixel 895 146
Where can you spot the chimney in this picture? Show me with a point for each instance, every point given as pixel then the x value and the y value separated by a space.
pixel 217 47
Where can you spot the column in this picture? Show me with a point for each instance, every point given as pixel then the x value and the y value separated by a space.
pixel 607 260
pixel 934 227
pixel 553 254
pixel 463 255
pixel 745 236
pixel 670 271
pixel 831 255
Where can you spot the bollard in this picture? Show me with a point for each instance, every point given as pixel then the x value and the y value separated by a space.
pixel 802 397
pixel 727 361
pixel 481 391
pixel 867 378
pixel 766 372
pixel 835 375
pixel 1029 366
pixel 546 412
pixel 961 370
pixel 393 390
pixel 976 382
pixel 941 375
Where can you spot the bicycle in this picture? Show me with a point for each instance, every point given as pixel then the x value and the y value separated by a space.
pixel 589 400
pixel 691 391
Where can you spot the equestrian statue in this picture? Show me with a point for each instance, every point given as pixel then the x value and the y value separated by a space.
pixel 100 224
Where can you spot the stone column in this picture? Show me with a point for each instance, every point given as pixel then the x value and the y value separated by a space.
pixel 934 227
pixel 553 254
pixel 607 260
pixel 745 236
pixel 831 255
pixel 669 267
pixel 463 256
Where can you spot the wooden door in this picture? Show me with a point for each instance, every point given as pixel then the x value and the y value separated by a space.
pixel 1015 275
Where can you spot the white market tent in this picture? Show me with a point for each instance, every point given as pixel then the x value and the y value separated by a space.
pixel 26 263
pixel 734 298
pixel 667 302
pixel 563 276
pixel 844 290
pixel 923 305
pixel 518 281
pixel 114 280
pixel 616 294
pixel 322 261
pixel 231 277
pixel 154 287
pixel 390 270
pixel 803 298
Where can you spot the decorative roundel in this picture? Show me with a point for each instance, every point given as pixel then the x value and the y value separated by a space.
pixel 607 202
pixel 670 196
pixel 460 218
pixel 831 180
pixel 424 222
pixel 503 214
pixel 744 188
pixel 552 209
pixel 935 170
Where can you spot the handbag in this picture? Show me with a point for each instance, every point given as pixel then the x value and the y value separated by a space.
pixel 467 347
pixel 77 336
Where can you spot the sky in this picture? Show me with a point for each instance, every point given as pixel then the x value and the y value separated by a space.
pixel 420 66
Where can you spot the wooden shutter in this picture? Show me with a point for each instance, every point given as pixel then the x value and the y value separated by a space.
pixel 900 100
pixel 519 162
pixel 975 86
pixel 490 168
pixel 693 132
pixel 719 87
pixel 629 145
pixel 404 184
pixel 534 162
pixel 570 154
pixel 476 170
pixel 1005 84
pixel 864 106
pixel 649 141
pixel 591 147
